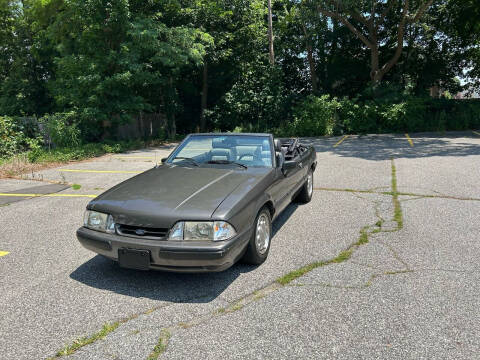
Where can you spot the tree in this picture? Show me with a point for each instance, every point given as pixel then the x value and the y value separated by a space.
pixel 115 63
pixel 212 17
pixel 25 57
pixel 162 52
pixel 369 21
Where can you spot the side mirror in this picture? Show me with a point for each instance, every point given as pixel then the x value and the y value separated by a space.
pixel 163 160
pixel 280 159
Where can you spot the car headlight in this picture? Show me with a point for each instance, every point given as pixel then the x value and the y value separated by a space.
pixel 99 221
pixel 202 230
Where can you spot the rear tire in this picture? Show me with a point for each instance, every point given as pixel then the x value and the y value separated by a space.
pixel 305 194
pixel 259 244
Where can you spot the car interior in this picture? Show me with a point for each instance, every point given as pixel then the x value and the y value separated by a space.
pixel 245 150
pixel 247 153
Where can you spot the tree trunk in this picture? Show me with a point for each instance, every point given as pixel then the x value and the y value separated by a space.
pixel 203 105
pixel 140 125
pixel 270 33
pixel 173 127
pixel 374 65
pixel 313 73
pixel 372 24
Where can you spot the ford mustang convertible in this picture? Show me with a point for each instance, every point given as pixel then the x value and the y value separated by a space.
pixel 209 204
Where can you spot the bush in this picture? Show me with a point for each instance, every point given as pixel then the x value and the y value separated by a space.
pixel 62 129
pixel 81 152
pixel 313 117
pixel 13 139
pixel 325 116
pixel 256 102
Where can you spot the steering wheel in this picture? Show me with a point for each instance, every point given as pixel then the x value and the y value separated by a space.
pixel 243 155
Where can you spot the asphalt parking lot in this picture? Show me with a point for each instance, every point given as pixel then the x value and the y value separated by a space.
pixel 388 251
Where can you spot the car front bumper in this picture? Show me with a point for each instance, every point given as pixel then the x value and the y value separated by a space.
pixel 178 256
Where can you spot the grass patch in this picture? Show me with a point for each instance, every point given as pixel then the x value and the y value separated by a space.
pixel 345 190
pixel 292 275
pixel 161 345
pixel 76 187
pixel 363 237
pixel 236 307
pixel 341 257
pixel 77 344
pixel 397 209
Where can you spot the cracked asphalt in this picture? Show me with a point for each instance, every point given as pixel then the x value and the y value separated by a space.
pixel 410 292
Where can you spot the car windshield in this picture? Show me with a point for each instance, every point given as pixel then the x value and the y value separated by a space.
pixel 242 150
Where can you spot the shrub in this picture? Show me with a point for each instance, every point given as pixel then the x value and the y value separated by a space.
pixel 256 101
pixel 13 139
pixel 81 152
pixel 313 117
pixel 62 128
pixel 325 116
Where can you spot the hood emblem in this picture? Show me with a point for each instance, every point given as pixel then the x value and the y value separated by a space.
pixel 140 232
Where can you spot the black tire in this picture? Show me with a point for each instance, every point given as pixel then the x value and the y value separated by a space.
pixel 254 254
pixel 305 194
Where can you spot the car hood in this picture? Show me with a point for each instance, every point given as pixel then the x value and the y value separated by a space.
pixel 161 196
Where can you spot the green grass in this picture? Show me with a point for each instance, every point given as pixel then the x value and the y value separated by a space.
pixel 363 238
pixel 77 344
pixel 346 190
pixel 161 345
pixel 81 152
pixel 397 209
pixel 236 307
pixel 76 187
pixel 292 275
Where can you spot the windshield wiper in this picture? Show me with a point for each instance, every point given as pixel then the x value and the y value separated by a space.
pixel 227 162
pixel 191 160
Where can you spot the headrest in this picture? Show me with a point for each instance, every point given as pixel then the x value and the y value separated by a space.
pixel 265 145
pixel 219 153
pixel 221 143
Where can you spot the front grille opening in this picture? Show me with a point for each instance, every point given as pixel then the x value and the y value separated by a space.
pixel 141 232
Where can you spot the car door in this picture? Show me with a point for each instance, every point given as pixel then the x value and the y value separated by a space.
pixel 282 185
pixel 292 171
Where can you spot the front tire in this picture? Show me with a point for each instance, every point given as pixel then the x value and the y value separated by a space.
pixel 259 244
pixel 305 194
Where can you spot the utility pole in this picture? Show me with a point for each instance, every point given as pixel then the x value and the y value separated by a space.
pixel 270 34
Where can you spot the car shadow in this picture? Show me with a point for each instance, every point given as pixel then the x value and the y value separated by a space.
pixel 102 273
pixel 388 146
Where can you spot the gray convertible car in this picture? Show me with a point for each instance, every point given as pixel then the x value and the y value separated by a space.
pixel 209 204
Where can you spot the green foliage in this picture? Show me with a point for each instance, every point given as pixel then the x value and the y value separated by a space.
pixel 325 116
pixel 62 129
pixel 314 116
pixel 81 152
pixel 96 64
pixel 255 102
pixel 13 138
